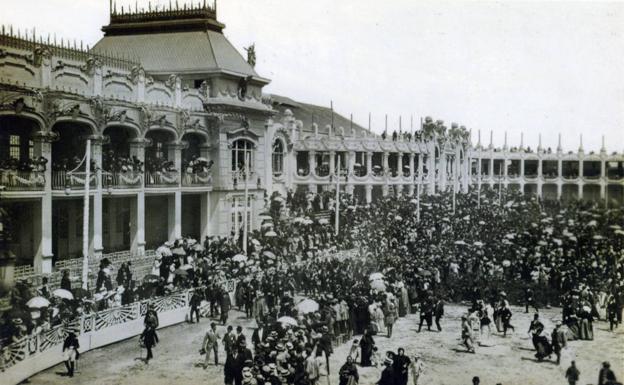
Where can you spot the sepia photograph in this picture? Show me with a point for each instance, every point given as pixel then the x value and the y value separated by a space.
pixel 311 192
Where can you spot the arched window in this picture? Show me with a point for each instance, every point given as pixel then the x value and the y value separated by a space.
pixel 241 150
pixel 278 157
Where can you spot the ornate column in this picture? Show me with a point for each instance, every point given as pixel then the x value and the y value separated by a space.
pixel 412 168
pixel 175 201
pixel 43 256
pixel 312 162
pixel 369 163
pixel 137 206
pixel 332 162
pixel 385 165
pixel 369 193
pixel 205 212
pixel 96 155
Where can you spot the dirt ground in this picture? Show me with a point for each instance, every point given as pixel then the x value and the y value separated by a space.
pixel 509 361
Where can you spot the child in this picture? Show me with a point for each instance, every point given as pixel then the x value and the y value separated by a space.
pixel 355 350
pixel 375 358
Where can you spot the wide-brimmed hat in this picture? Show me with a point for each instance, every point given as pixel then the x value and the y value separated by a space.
pixel 388 361
pixel 280 347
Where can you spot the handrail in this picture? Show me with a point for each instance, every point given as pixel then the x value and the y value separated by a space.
pixel 14 180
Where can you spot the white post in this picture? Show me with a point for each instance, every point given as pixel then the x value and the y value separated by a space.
pixel 247 158
pixel 479 190
pixel 85 220
pixel 454 186
pixel 500 184
pixel 418 197
pixel 337 196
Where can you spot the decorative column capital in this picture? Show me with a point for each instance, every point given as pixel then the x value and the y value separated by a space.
pixel 45 136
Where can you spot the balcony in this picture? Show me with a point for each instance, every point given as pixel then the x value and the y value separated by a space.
pixel 238 179
pixel 63 180
pixel 13 180
pixel 197 179
pixel 162 179
pixel 123 180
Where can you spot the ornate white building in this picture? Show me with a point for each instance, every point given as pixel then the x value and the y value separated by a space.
pixel 173 112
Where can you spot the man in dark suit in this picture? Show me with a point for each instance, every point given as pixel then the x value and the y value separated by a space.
pixel 233 370
pixel 225 306
pixel 259 335
pixel 438 312
pixel 559 341
pixel 325 346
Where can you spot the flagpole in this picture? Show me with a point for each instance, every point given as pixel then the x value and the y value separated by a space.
pixel 85 219
pixel 246 203
pixel 337 197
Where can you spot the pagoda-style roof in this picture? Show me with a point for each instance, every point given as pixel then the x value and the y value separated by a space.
pixel 174 41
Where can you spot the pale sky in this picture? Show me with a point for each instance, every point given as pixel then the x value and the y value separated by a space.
pixel 553 67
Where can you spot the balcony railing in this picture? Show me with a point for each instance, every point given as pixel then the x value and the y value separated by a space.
pixel 123 180
pixel 73 180
pixel 13 180
pixel 162 179
pixel 197 179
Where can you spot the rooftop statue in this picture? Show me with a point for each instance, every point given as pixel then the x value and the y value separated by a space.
pixel 251 55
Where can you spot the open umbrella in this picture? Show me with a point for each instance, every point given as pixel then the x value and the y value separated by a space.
pixel 265 217
pixel 307 306
pixel 271 234
pixel 460 242
pixel 478 243
pixel 378 285
pixel 267 225
pixel 198 247
pixel 285 320
pixel 178 251
pixel 278 199
pixel 164 251
pixel 180 272
pixel 37 302
pixel 375 276
pixel 239 258
pixel 62 293
pixel 269 254
pixel 323 221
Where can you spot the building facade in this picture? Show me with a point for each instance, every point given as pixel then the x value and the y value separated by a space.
pixel 175 116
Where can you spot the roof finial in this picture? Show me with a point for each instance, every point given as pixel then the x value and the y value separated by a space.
pixel 479 139
pixel 522 140
pixel 581 144
pixel 491 138
pixel 539 145
pixel 559 149
pixel 603 148
pixel 505 145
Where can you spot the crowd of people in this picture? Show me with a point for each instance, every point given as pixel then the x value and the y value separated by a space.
pixel 407 255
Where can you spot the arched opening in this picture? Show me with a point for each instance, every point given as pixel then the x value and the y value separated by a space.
pixel 570 169
pixel 303 165
pixel 591 169
pixel 549 192
pixel 277 158
pixel 160 164
pixel 195 165
pixel 21 167
pixel 550 169
pixel 377 164
pixel 591 193
pixel 120 167
pixel 67 155
pixel 569 192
